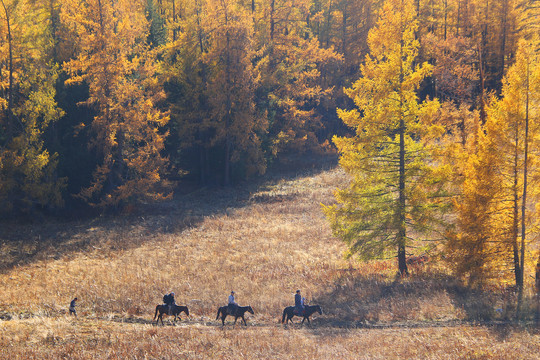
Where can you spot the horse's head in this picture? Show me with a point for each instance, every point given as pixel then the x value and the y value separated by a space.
pixel 319 309
pixel 250 310
pixel 187 311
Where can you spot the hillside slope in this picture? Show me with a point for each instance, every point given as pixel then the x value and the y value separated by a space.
pixel 263 241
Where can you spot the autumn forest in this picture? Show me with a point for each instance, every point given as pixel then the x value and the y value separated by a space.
pixel 432 105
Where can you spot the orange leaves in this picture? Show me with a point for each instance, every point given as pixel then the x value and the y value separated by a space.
pixel 120 71
pixel 494 219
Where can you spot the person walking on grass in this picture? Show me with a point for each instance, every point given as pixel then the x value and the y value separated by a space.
pixel 72 305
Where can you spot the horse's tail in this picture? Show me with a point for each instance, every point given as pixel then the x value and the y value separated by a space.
pixel 157 307
pixel 284 314
pixel 218 311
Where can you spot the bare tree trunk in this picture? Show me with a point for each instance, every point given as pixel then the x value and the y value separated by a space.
pixel 482 85
pixel 515 205
pixel 228 105
pixel 445 17
pixel 524 197
pixel 504 26
pixel 401 201
pixel 537 283
pixel 401 209
pixel 203 155
pixel 272 10
pixel 344 31
pixel 328 19
pixel 10 92
pixel 174 19
pixel 458 17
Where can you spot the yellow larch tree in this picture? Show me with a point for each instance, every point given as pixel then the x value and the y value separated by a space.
pixel 516 128
pixel 471 250
pixel 231 84
pixel 291 65
pixel 394 194
pixel 27 107
pixel 500 182
pixel 120 70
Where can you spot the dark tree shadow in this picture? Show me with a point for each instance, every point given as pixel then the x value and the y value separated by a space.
pixel 428 300
pixel 24 241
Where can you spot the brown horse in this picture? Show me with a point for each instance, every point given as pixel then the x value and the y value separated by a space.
pixel 289 312
pixel 239 313
pixel 164 310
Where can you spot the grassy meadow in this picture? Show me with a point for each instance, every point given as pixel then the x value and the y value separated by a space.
pixel 264 241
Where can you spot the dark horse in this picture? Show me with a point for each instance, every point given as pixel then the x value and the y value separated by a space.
pixel 164 310
pixel 290 312
pixel 239 313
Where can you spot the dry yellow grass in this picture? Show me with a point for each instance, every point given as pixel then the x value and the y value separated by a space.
pixel 86 339
pixel 264 243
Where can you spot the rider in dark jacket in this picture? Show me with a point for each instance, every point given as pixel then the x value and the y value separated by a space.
pixel 169 301
pixel 298 303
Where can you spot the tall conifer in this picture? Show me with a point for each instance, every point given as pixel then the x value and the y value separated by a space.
pixel 27 107
pixel 390 199
pixel 115 62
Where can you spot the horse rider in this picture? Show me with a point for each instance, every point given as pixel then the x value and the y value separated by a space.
pixel 232 305
pixel 168 299
pixel 299 303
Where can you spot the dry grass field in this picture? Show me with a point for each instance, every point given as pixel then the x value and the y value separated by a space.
pixel 264 241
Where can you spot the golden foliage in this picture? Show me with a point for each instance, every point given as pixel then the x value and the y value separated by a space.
pixel 394 188
pixel 121 71
pixel 27 100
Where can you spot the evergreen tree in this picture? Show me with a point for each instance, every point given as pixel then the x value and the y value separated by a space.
pixel 393 190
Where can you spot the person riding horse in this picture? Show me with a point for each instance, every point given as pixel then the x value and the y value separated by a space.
pixel 168 299
pixel 299 303
pixel 232 305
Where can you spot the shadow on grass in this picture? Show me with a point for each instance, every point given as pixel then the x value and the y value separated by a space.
pixel 426 301
pixel 25 242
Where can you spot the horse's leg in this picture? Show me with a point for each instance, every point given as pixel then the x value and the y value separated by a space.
pixel 223 316
pixel 235 318
pixel 245 323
